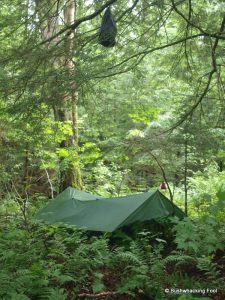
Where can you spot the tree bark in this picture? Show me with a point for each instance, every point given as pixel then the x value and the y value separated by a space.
pixel 65 108
pixel 70 176
pixel 185 175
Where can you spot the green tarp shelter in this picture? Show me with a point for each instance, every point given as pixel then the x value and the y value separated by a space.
pixel 90 212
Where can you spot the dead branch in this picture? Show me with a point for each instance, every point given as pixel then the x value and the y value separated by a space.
pixel 95 296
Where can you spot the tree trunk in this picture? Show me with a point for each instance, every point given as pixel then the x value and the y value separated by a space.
pixel 185 176
pixel 70 176
pixel 65 109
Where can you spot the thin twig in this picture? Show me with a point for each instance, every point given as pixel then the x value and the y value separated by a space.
pixel 163 174
pixel 50 183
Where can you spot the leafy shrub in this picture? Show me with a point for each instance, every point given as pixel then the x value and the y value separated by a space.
pixel 199 237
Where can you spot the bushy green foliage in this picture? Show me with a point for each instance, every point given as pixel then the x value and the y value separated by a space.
pixel 51 262
pixel 206 188
pixel 203 236
pixel 48 262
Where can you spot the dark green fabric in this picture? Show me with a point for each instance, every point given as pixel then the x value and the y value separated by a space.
pixel 90 212
pixel 76 194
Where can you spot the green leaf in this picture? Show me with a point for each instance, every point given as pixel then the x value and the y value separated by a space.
pixel 98 287
pixel 221 194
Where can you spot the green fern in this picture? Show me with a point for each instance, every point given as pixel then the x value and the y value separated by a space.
pixel 209 268
pixel 53 294
pixel 128 257
pixel 178 258
pixel 5 280
pixel 16 296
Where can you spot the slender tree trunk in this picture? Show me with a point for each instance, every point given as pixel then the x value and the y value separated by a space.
pixel 25 168
pixel 185 176
pixel 164 175
pixel 70 176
